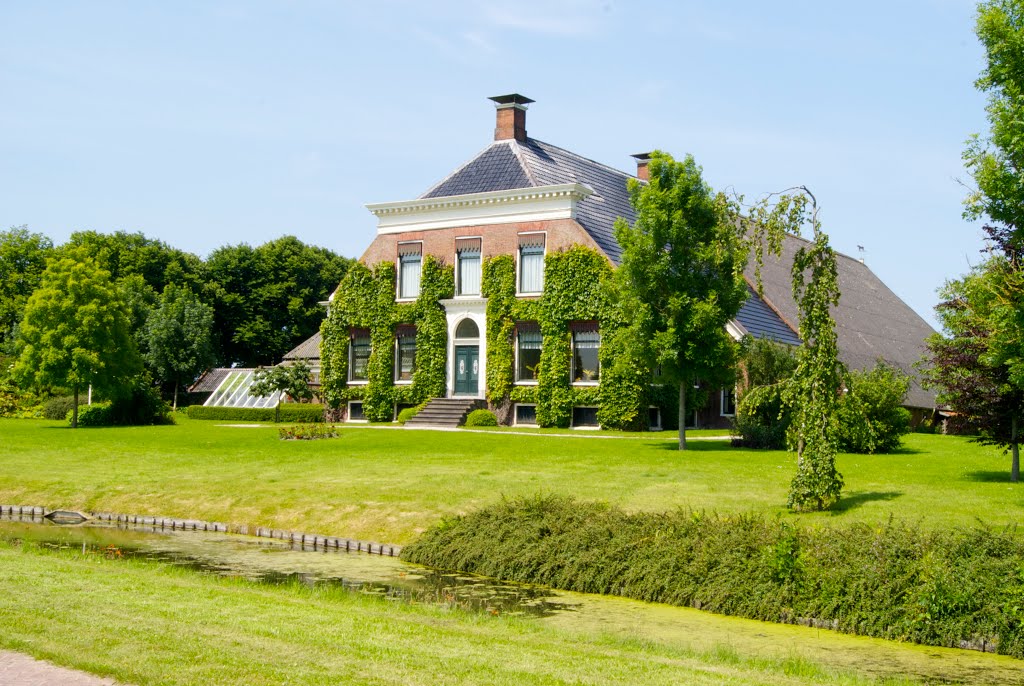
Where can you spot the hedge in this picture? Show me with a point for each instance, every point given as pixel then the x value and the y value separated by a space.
pixel 290 412
pixel 962 587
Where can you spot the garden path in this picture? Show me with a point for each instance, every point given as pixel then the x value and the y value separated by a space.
pixel 23 670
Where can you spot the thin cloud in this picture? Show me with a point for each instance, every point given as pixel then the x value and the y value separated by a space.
pixel 567 18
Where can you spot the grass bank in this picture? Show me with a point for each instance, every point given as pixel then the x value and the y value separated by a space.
pixel 101 615
pixel 389 485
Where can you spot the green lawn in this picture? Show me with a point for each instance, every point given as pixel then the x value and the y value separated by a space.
pixel 389 484
pixel 146 623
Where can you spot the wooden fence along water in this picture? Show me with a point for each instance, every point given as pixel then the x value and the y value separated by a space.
pixel 298 540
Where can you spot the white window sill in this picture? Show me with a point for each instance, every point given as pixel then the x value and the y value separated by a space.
pixel 530 295
pixel 586 383
pixel 357 421
pixel 529 382
pixel 727 415
pixel 358 382
pixel 403 382
pixel 405 300
pixel 527 426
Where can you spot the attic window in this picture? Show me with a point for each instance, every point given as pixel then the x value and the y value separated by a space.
pixel 410 260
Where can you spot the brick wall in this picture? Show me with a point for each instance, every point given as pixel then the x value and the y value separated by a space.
pixel 497 239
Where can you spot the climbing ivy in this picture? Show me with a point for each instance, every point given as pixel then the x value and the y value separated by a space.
pixel 573 291
pixel 366 299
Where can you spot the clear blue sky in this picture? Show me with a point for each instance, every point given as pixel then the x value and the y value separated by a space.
pixel 212 123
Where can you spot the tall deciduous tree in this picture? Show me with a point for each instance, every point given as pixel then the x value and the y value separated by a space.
pixel 290 380
pixel 268 299
pixel 179 337
pixel 23 257
pixel 75 331
pixel 682 267
pixel 979 368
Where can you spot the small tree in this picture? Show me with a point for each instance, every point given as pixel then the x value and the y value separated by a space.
pixel 812 393
pixel 682 266
pixel 291 380
pixel 762 418
pixel 179 336
pixel 75 331
pixel 968 369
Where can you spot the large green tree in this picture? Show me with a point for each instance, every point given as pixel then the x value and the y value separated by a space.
pixel 125 254
pixel 269 297
pixel 75 331
pixel 23 257
pixel 978 366
pixel 682 272
pixel 179 337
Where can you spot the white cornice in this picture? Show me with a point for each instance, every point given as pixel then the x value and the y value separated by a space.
pixel 495 207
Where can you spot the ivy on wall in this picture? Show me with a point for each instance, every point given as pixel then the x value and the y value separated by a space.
pixel 365 299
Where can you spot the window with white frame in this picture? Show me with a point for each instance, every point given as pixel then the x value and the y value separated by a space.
pixel 585 416
pixel 405 354
pixel 526 415
pixel 531 262
pixel 358 355
pixel 728 402
pixel 528 347
pixel 467 255
pixel 410 262
pixel 586 344
pixel 355 411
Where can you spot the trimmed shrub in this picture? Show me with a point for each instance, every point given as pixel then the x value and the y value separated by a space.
pixel 58 408
pixel 290 412
pixel 97 414
pixel 408 413
pixel 308 432
pixel 481 418
pixel 959 587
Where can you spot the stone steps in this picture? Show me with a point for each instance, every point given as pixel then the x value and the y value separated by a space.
pixel 448 412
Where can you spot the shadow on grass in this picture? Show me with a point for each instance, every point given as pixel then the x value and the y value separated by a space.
pixel 989 477
pixel 858 498
pixel 703 446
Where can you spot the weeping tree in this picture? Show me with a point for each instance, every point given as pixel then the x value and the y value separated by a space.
pixel 682 271
pixel 812 393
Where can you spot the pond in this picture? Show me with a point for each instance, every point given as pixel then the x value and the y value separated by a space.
pixel 274 561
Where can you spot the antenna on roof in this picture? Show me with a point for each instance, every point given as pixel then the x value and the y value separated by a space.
pixel 860 249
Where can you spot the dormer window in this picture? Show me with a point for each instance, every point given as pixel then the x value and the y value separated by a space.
pixel 467 254
pixel 531 263
pixel 410 262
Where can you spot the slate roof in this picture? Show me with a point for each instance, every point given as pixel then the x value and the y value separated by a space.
pixel 509 164
pixel 872 322
pixel 308 349
pixel 758 319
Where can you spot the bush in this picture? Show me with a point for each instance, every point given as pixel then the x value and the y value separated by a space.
pixel 97 414
pixel 871 416
pixel 58 408
pixel 895 581
pixel 481 418
pixel 408 413
pixel 307 432
pixel 761 419
pixel 140 405
pixel 290 412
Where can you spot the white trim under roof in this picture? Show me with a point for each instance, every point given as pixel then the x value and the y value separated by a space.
pixel 476 209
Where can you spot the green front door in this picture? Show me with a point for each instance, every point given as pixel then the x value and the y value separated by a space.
pixel 467 369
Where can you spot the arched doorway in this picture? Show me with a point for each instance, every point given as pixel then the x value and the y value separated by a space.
pixel 467 358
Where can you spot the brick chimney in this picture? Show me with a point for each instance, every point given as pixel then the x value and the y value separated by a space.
pixel 511 116
pixel 642 159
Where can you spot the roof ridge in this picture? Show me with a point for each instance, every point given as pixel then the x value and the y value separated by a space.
pixel 517 151
pixel 581 157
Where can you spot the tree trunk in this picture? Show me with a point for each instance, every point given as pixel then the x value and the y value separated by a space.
pixel 175 405
pixel 1015 451
pixel 74 410
pixel 682 415
pixel 277 412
